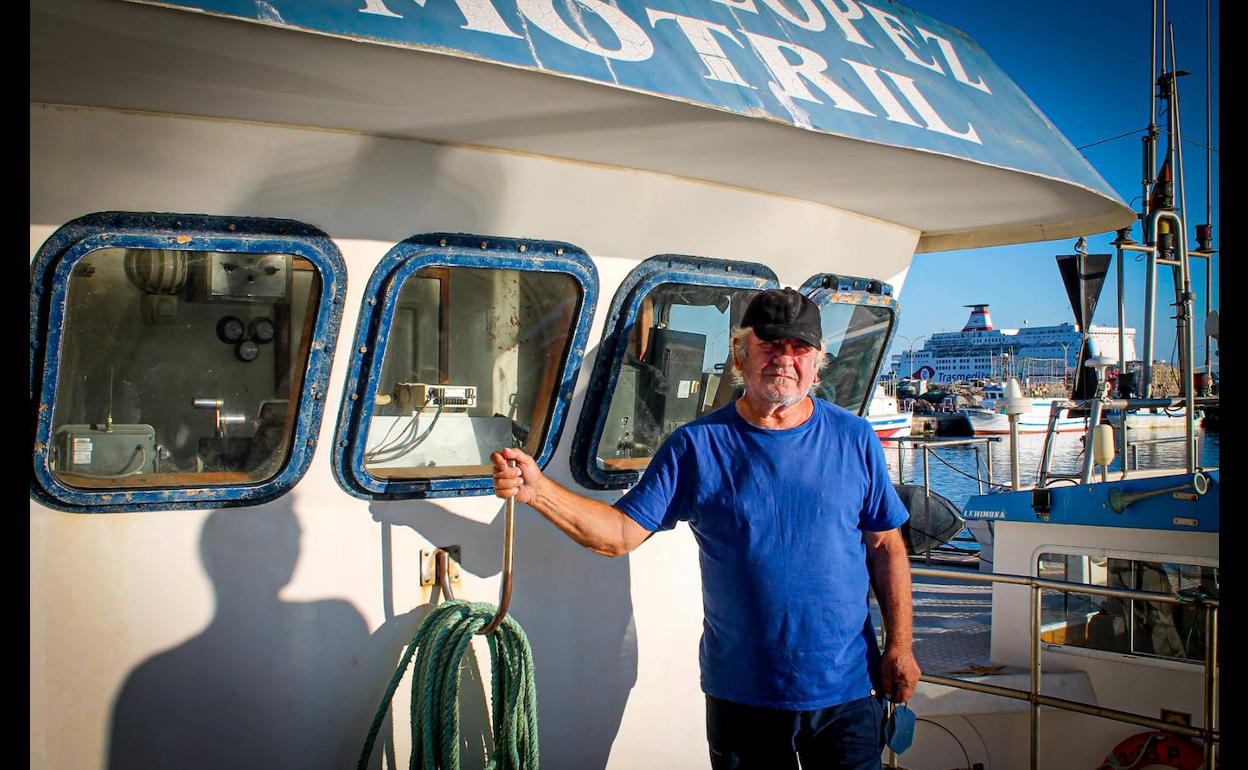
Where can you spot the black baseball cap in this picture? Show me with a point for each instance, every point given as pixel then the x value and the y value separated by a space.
pixel 781 314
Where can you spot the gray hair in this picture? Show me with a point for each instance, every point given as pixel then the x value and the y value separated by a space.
pixel 739 335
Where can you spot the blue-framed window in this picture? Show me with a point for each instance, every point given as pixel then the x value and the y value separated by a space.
pixel 664 359
pixel 465 345
pixel 178 361
pixel 859 317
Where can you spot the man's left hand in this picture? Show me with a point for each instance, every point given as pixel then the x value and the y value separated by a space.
pixel 899 673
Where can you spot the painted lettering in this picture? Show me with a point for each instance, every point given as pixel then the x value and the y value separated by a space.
pixel 811 66
pixel 901 37
pixel 479 15
pixel 699 34
pixel 740 5
pixel 844 18
pixel 926 112
pixel 951 58
pixel 870 78
pixel 634 44
pixel 810 19
pixel 379 8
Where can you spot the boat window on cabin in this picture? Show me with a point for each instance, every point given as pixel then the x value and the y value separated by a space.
pixel 180 368
pixel 854 337
pixel 471 365
pixel 1124 625
pixel 677 366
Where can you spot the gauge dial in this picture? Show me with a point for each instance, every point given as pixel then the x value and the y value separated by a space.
pixel 247 350
pixel 230 329
pixel 263 330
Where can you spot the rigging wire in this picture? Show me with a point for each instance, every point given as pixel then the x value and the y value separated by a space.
pixel 965 755
pixel 1190 141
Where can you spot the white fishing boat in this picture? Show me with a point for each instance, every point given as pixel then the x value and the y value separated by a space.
pixel 991 418
pixel 886 419
pixel 298 268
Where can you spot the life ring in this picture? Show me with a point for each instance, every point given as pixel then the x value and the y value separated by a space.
pixel 1154 748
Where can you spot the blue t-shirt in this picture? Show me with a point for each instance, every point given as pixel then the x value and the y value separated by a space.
pixel 778 516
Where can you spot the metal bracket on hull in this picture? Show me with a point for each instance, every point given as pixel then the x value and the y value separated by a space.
pixel 430 561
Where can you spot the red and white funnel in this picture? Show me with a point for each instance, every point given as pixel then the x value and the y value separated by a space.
pixel 980 320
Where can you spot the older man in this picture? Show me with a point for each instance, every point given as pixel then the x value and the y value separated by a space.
pixel 794 514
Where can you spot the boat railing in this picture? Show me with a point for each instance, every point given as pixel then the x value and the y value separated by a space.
pixel 1097 407
pixel 1035 585
pixel 929 445
pixel 1133 447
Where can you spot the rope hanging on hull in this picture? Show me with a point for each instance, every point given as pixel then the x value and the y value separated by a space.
pixel 442 639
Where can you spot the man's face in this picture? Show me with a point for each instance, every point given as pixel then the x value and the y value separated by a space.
pixel 778 372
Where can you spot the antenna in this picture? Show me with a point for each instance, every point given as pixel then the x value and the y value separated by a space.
pixel 1208 131
pixel 1180 182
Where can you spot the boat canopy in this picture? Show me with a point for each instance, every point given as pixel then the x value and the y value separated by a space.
pixel 872 108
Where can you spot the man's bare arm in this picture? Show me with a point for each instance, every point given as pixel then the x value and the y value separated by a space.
pixel 890 577
pixel 595 525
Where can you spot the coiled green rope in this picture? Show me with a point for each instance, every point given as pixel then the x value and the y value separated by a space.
pixel 442 640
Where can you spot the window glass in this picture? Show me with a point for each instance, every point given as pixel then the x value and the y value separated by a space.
pixel 676 367
pixel 472 363
pixel 854 337
pixel 180 368
pixel 1120 625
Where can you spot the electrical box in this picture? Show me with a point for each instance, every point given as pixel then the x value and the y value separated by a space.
pixel 671 381
pixel 242 277
pixel 413 396
pixel 99 452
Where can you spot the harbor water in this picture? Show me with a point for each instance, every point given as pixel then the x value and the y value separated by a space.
pixel 953 468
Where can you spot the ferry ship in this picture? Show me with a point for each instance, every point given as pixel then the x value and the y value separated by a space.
pixel 982 351
pixel 297 267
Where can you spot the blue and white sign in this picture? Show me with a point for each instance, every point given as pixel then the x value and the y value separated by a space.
pixel 875 70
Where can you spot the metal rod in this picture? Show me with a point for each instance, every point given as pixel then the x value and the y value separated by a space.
pixel 979 481
pixel 1150 313
pixel 1089 459
pixel 943 442
pixel 927 502
pixel 1015 477
pixel 1069 705
pixel 988 452
pixel 1208 119
pixel 1177 176
pixel 1123 440
pixel 1046 457
pixel 1035 678
pixel 1211 664
pixel 1059 585
pixel 1208 310
pixel 504 600
pixel 442 562
pixel 1124 716
pixel 1122 318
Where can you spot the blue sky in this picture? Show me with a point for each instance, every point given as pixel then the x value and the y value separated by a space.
pixel 1085 65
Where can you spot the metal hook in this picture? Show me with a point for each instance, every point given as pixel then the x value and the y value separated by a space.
pixel 509 535
pixel 443 561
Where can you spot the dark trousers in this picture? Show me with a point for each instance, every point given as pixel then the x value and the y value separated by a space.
pixel 845 737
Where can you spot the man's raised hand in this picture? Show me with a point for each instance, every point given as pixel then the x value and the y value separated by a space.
pixel 520 481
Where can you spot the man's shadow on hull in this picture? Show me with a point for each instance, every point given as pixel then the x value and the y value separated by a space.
pixel 575 608
pixel 268 683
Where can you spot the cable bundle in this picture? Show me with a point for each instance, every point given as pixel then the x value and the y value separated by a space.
pixel 442 639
